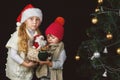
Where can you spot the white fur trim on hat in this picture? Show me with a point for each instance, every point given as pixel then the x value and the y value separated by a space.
pixel 18 23
pixel 31 12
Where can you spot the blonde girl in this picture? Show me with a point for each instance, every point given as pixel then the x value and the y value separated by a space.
pixel 28 22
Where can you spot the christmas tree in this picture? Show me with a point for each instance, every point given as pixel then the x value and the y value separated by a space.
pixel 101 50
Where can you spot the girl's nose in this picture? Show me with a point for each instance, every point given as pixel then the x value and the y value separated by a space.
pixel 34 21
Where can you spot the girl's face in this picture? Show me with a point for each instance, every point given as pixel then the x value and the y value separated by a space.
pixel 33 23
pixel 52 39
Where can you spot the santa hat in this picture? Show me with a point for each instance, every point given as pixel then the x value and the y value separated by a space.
pixel 56 28
pixel 27 12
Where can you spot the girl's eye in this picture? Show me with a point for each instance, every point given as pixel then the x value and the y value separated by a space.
pixel 37 19
pixel 31 18
pixel 53 37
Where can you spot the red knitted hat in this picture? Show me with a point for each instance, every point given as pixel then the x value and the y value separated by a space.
pixel 56 28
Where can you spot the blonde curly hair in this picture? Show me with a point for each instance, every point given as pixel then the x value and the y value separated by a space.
pixel 23 38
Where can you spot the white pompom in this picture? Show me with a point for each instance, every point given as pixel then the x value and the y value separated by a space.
pixel 18 23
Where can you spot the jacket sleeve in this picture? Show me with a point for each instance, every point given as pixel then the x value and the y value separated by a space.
pixel 13 41
pixel 58 64
pixel 15 56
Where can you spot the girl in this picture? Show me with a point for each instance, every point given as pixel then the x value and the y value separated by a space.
pixel 54 34
pixel 17 66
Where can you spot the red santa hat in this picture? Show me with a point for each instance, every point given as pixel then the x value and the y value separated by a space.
pixel 27 12
pixel 56 28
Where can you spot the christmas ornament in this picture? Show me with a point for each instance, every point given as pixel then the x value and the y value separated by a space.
pixel 95 55
pixel 94 20
pixel 109 36
pixel 105 50
pixel 118 51
pixel 100 1
pixel 97 9
pixel 77 57
pixel 105 74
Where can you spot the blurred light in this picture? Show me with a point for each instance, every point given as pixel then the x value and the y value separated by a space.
pixel 94 20
pixel 100 1
pixel 118 51
pixel 97 10
pixel 109 36
pixel 77 57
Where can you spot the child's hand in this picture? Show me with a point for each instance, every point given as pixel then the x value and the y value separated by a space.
pixel 29 64
pixel 32 64
pixel 42 62
pixel 47 62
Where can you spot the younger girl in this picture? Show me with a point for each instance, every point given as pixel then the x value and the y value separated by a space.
pixel 17 66
pixel 54 34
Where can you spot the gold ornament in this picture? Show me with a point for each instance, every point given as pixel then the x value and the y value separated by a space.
pixel 100 1
pixel 77 57
pixel 118 51
pixel 94 20
pixel 109 36
pixel 97 10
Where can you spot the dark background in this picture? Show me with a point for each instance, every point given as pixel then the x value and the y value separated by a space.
pixel 77 17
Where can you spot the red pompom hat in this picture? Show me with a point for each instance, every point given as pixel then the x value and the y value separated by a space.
pixel 56 28
pixel 28 11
